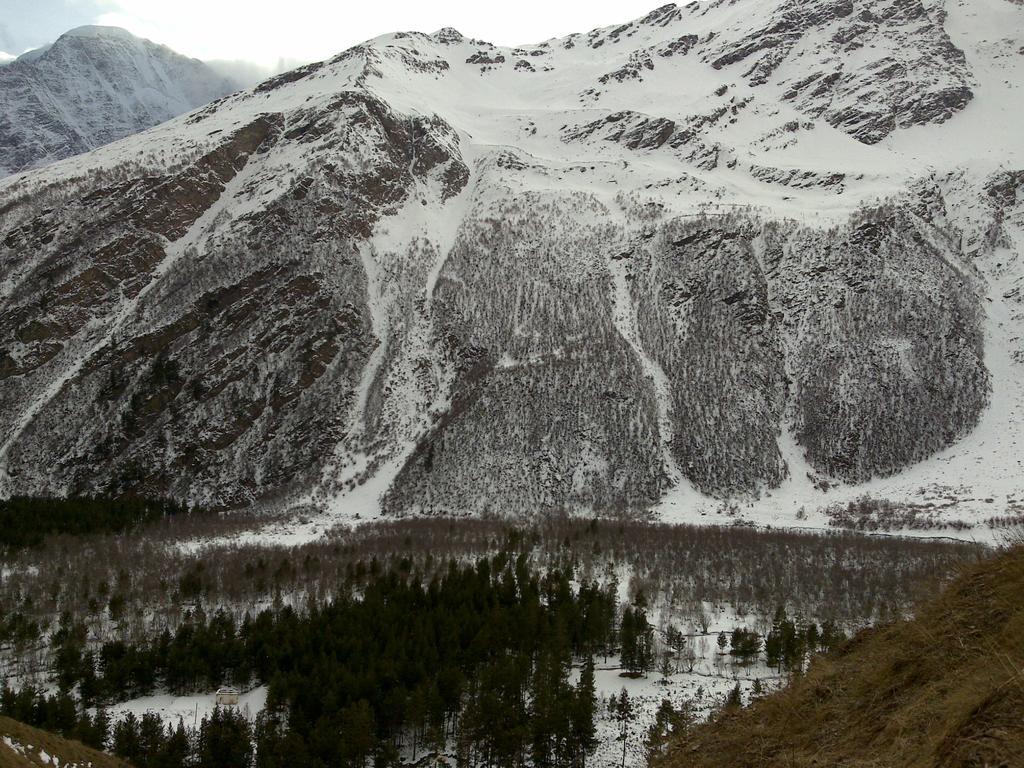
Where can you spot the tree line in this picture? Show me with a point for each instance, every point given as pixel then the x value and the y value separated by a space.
pixel 25 521
pixel 477 656
pixel 125 586
pixel 787 645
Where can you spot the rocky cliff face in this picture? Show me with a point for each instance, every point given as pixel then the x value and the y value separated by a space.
pixel 865 68
pixel 94 85
pixel 436 275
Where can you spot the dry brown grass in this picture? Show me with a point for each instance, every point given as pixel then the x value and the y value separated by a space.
pixel 72 754
pixel 944 689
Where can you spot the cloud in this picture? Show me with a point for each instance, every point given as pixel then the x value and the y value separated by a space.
pixel 243 73
pixel 268 32
pixel 5 57
pixel 274 34
pixel 26 24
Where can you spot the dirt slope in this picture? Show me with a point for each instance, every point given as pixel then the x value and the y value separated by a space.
pixel 22 746
pixel 945 689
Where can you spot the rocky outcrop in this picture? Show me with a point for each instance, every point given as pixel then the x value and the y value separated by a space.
pixel 204 354
pixel 908 71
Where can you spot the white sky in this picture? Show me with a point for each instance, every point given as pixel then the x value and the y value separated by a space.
pixel 271 31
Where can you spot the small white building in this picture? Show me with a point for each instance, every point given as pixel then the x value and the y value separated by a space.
pixel 226 697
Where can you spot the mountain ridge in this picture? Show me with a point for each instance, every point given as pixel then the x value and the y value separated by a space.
pixel 435 275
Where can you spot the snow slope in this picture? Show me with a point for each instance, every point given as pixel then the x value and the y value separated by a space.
pixel 733 258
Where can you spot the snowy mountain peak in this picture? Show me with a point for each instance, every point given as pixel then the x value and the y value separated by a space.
pixel 98 31
pixel 93 85
pixel 448 35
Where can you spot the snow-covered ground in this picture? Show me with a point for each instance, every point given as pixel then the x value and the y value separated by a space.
pixel 189 710
pixel 702 691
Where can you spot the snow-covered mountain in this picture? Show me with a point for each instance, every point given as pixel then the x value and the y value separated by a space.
pixel 759 250
pixel 94 85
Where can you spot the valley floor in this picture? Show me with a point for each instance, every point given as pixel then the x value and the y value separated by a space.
pixel 699 580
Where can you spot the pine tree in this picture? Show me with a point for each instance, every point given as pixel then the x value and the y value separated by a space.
pixel 176 749
pixel 416 712
pixel 773 648
pixel 628 641
pixel 745 644
pixel 831 636
pixel 584 727
pixel 666 668
pixel 659 731
pixel 224 741
pixel 151 739
pixel 735 698
pixel 637 638
pixel 92 731
pixel 358 734
pixel 645 643
pixel 813 635
pixel 677 641
pixel 88 683
pixel 623 713
pixel 126 739
pixel 387 755
pixel 101 728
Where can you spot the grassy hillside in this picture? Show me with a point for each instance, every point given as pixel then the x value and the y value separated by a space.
pixel 944 689
pixel 22 746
